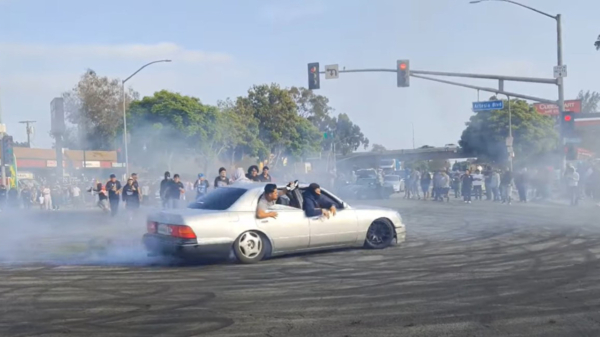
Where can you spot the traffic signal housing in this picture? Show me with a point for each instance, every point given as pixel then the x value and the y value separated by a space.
pixel 7 150
pixel 570 152
pixel 314 81
pixel 567 125
pixel 403 71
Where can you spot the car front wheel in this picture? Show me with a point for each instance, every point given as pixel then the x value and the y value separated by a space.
pixel 380 235
pixel 250 247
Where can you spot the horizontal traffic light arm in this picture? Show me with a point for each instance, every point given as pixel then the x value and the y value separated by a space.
pixel 419 74
pixel 439 73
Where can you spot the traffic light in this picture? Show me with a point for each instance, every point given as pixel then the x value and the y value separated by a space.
pixel 570 152
pixel 314 81
pixel 567 125
pixel 403 70
pixel 7 150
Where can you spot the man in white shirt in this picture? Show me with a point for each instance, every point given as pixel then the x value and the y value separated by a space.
pixel 572 179
pixel 478 183
pixel 76 193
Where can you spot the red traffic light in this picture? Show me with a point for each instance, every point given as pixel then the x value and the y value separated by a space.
pixel 313 69
pixel 402 66
pixel 568 118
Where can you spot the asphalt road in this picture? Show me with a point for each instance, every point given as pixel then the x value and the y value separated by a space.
pixel 466 270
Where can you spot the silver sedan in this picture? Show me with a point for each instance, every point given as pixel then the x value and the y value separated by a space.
pixel 225 220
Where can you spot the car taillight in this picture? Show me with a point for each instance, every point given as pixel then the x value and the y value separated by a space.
pixel 184 232
pixel 151 227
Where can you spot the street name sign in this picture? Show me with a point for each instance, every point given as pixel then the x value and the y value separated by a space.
pixel 489 105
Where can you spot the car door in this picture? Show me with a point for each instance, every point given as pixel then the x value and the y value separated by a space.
pixel 338 230
pixel 289 231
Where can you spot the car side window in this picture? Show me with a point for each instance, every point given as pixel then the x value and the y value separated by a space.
pixel 278 206
pixel 329 200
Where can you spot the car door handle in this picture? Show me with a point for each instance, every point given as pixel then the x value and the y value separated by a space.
pixel 264 221
pixel 316 218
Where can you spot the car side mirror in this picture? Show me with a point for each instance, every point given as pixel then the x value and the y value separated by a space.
pixel 344 204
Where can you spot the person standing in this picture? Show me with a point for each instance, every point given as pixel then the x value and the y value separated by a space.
pixel 253 173
pixel 164 186
pixel 487 174
pixel 221 180
pixel 175 192
pixel 13 198
pixel 467 186
pixel 134 177
pixel 521 181
pixel 26 197
pixel 506 183
pixel 56 194
pixel 494 185
pixel 113 186
pixel 478 183
pixel 76 193
pixel 47 198
pixel 201 186
pixel 416 179
pixel 572 179
pixel 240 177
pixel 265 177
pixel 426 184
pixel 131 197
pixel 444 186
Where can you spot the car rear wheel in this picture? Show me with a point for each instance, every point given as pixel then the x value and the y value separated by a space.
pixel 250 247
pixel 380 235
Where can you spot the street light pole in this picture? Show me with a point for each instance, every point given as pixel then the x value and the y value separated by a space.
pixel 560 80
pixel 125 112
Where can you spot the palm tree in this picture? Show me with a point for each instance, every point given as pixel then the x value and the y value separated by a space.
pixel 597 43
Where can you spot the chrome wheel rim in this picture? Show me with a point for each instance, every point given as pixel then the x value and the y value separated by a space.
pixel 250 245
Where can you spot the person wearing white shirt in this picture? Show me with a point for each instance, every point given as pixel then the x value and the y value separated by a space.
pixel 572 179
pixel 478 183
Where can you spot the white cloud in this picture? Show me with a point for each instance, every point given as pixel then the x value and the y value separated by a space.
pixel 165 50
pixel 288 13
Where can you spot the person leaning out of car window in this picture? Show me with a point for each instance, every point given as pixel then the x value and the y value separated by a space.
pixel 266 201
pixel 315 205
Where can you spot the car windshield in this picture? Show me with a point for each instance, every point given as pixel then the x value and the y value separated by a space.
pixel 219 199
pixel 365 181
pixel 391 178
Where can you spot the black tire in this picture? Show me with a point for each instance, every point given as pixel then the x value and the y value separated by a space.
pixel 248 250
pixel 380 235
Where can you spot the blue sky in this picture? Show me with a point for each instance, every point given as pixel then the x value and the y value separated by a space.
pixel 221 48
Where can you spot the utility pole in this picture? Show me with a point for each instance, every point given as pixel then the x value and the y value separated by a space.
pixel 413 134
pixel 29 131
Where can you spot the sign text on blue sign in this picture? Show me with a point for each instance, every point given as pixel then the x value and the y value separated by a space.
pixel 489 105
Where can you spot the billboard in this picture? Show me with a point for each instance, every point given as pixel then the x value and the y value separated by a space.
pixel 57 116
pixel 573 105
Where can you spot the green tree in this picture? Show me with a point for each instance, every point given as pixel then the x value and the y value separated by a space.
pixel 347 136
pixel 94 106
pixel 485 135
pixel 378 148
pixel 168 123
pixel 589 101
pixel 597 43
pixel 281 129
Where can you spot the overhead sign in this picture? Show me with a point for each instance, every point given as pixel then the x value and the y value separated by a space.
pixel 572 140
pixel 331 72
pixel 91 164
pixel 489 105
pixel 573 105
pixel 560 71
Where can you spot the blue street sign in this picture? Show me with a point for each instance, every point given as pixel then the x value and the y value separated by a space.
pixel 489 105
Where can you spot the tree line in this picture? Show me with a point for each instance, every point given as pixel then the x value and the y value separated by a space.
pixel 268 123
